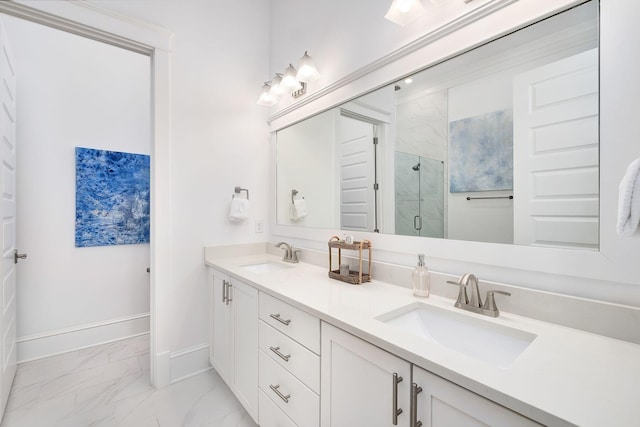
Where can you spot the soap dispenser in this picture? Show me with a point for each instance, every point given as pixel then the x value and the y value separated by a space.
pixel 421 279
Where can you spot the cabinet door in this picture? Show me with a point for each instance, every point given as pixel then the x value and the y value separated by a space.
pixel 244 303
pixel 221 336
pixel 357 383
pixel 444 404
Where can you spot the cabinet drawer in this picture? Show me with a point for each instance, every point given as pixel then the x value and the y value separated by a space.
pixel 295 358
pixel 271 415
pixel 291 321
pixel 297 400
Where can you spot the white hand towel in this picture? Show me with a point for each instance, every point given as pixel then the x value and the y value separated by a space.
pixel 298 209
pixel 239 209
pixel 629 200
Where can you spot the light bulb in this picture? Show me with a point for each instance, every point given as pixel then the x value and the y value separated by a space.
pixel 404 6
pixel 289 81
pixel 307 71
pixel 276 85
pixel 266 99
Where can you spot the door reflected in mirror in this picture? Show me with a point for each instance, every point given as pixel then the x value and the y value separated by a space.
pixel 498 144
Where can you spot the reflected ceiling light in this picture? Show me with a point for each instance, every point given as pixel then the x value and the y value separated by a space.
pixel 307 71
pixel 266 98
pixel 403 12
pixel 408 80
pixel 289 80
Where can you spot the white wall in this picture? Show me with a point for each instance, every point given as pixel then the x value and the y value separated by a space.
pixel 306 161
pixel 73 92
pixel 219 137
pixel 347 37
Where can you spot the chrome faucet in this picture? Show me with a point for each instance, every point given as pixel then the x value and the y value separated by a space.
pixel 290 255
pixel 475 304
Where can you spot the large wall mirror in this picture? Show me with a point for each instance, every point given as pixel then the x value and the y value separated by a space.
pixel 499 144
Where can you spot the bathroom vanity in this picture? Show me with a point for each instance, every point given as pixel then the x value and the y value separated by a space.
pixel 298 348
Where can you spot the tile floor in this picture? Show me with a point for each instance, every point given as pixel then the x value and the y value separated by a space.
pixel 108 385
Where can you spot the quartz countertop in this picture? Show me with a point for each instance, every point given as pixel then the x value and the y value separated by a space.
pixel 564 377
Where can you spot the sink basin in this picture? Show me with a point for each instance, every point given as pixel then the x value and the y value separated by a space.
pixel 266 267
pixel 490 342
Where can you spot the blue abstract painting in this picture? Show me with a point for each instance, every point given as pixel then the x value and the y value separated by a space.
pixel 112 198
pixel 481 153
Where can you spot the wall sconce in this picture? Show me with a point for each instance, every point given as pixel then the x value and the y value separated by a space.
pixel 403 12
pixel 291 81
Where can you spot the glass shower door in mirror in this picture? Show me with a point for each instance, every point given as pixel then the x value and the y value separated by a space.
pixel 419 195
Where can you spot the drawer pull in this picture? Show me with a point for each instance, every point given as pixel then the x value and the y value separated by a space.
pixel 394 399
pixel 279 319
pixel 280 395
pixel 284 357
pixel 224 292
pixel 415 391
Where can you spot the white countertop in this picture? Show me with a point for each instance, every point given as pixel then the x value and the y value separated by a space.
pixel 564 377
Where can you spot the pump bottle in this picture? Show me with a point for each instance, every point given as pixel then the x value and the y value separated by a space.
pixel 421 279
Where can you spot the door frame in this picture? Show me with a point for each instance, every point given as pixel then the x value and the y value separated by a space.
pixel 94 22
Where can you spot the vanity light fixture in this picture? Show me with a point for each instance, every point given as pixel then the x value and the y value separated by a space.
pixel 292 81
pixel 403 12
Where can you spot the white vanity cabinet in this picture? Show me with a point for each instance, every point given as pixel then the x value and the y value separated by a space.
pixel 440 403
pixel 234 337
pixel 361 384
pixel 365 385
pixel 289 365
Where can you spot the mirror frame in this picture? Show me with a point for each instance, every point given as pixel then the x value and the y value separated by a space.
pixel 535 267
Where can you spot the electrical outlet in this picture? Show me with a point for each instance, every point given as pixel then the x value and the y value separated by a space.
pixel 259 226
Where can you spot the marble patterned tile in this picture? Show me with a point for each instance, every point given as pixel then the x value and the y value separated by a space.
pixel 108 385
pixel 133 347
pixel 74 381
pixel 41 412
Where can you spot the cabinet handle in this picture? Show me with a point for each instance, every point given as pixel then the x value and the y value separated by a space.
pixel 280 395
pixel 396 411
pixel 229 286
pixel 415 391
pixel 279 319
pixel 224 291
pixel 284 357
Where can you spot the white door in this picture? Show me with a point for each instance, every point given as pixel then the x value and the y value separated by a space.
pixel 555 154
pixel 357 175
pixel 440 403
pixel 360 384
pixel 8 214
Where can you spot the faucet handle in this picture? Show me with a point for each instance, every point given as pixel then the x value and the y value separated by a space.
pixel 490 301
pixel 462 293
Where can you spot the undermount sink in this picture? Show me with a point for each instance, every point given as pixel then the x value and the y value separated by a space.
pixel 490 342
pixel 266 267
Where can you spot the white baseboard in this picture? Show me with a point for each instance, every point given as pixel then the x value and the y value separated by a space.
pixel 188 362
pixel 50 343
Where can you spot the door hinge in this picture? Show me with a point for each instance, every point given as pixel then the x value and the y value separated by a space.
pixel 376 187
pixel 375 140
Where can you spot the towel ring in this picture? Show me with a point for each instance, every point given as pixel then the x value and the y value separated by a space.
pixel 238 190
